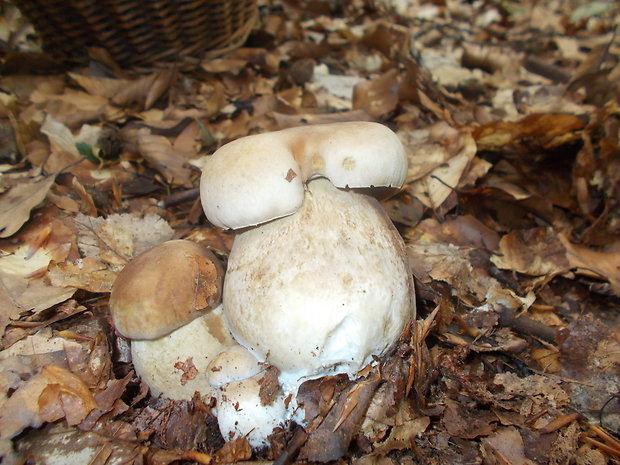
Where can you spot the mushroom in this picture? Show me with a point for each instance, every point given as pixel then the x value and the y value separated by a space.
pixel 242 410
pixel 322 284
pixel 166 301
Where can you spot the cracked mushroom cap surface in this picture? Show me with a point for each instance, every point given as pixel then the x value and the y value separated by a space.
pixel 321 291
pixel 164 288
pixel 261 177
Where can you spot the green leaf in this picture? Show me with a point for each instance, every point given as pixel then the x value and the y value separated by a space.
pixel 87 151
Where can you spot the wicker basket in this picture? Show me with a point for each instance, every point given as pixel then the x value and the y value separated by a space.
pixel 141 32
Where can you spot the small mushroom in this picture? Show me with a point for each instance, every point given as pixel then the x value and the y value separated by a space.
pixel 166 301
pixel 322 284
pixel 241 409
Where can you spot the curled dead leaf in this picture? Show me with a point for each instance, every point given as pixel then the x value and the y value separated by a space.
pixel 16 205
pixel 65 396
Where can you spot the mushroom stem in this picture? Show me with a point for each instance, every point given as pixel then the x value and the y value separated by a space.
pixel 321 291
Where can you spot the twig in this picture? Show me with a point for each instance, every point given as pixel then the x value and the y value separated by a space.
pixel 292 447
pixel 180 197
pixel 524 325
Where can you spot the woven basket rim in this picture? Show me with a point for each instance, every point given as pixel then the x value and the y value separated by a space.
pixel 137 33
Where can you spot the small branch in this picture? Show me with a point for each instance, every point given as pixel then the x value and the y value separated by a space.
pixel 181 197
pixel 525 325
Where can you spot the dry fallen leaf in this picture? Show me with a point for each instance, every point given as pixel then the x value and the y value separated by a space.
pixel 16 205
pixel 20 411
pixel 118 238
pixel 87 274
pixel 548 129
pixel 379 96
pixel 604 263
pixel 57 443
pixel 506 446
pixel 65 396
pixel 535 252
pixel 159 153
pixel 432 179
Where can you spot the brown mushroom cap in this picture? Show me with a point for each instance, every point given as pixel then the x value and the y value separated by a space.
pixel 164 288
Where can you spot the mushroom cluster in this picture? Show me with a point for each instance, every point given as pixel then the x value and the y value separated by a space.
pixel 318 281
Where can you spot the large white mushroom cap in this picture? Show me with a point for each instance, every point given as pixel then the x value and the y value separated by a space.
pixel 259 178
pixel 321 291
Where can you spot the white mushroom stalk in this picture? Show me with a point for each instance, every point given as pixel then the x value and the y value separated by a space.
pixel 321 291
pixel 318 283
pixel 175 365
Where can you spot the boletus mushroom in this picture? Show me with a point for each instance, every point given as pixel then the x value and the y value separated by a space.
pixel 167 302
pixel 318 281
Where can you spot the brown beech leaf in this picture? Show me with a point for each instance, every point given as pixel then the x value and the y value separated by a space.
pixel 505 446
pixel 144 90
pixel 20 411
pixel 8 308
pixel 65 396
pixel 16 205
pixel 100 86
pixel 161 155
pixel 185 425
pixel 401 435
pixel 66 445
pixel 451 152
pixel 234 451
pixel 88 274
pixel 390 39
pixel 116 239
pixel 429 147
pixel 464 230
pixel 603 263
pixel 72 107
pixel 549 130
pixel 451 264
pixel 318 396
pixel 536 252
pixel 108 401
pixel 23 267
pixel 284 121
pixel 542 390
pixel 378 96
pixel 331 439
pixel 467 423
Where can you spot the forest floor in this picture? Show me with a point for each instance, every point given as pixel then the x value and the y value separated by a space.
pixel 509 112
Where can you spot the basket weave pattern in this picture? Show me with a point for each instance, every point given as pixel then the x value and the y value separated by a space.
pixel 140 32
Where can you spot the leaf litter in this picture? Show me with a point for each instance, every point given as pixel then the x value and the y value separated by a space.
pixel 510 116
